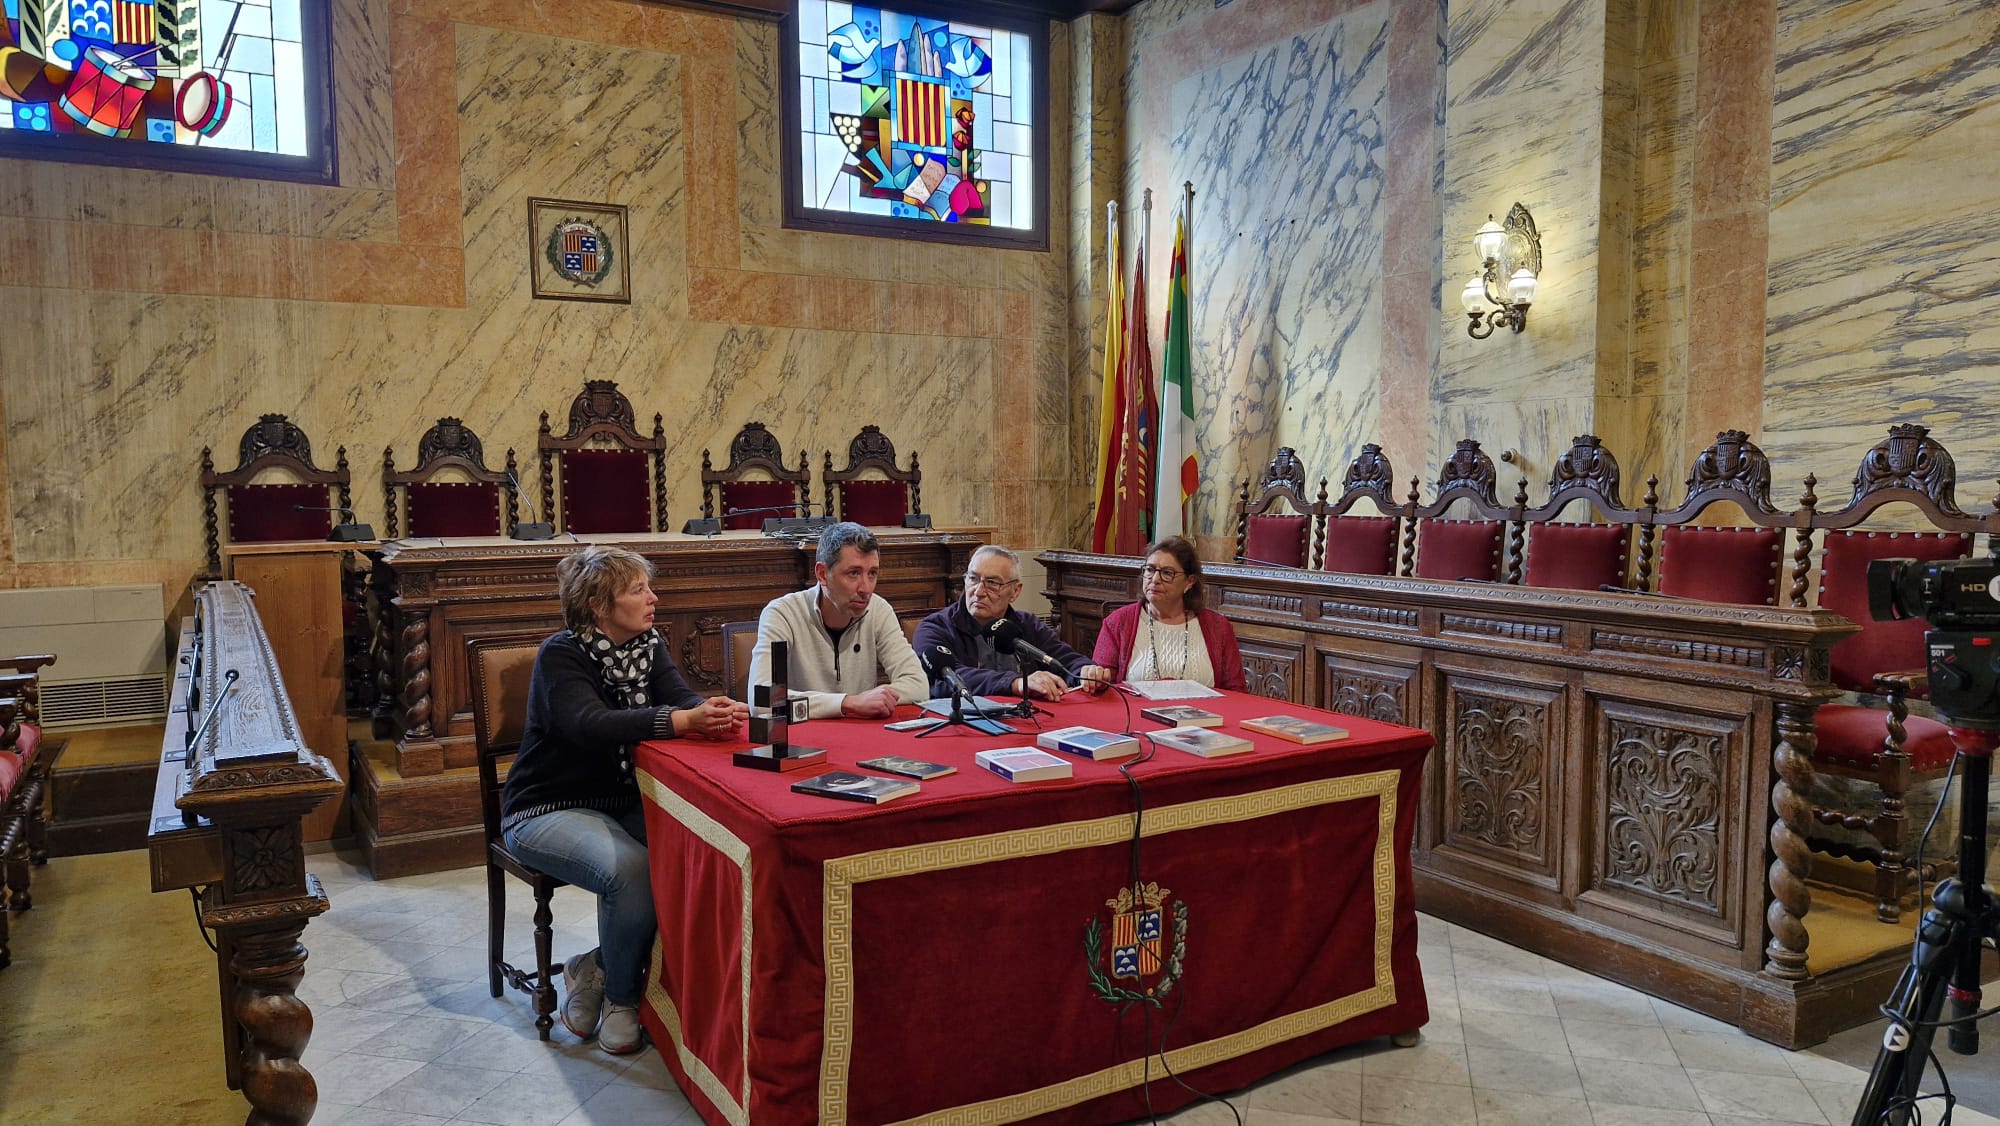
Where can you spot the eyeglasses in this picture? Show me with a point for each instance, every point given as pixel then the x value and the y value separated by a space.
pixel 1166 574
pixel 989 584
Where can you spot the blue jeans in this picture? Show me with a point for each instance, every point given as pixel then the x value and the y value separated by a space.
pixel 606 855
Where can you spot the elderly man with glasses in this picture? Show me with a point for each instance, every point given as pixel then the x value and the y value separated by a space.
pixel 992 580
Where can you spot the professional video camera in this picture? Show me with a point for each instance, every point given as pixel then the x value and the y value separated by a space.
pixel 1960 598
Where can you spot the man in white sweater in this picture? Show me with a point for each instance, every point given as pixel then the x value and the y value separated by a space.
pixel 843 639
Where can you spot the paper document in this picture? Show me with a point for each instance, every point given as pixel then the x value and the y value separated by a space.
pixel 1171 689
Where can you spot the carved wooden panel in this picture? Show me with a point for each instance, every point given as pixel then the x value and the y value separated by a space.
pixel 1271 670
pixel 1498 782
pixel 1661 836
pixel 1372 691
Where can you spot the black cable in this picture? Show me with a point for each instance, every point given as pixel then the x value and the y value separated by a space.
pixel 195 894
pixel 1168 1028
pixel 1924 840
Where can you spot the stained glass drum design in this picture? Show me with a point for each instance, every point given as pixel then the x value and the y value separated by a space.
pixel 106 93
pixel 203 104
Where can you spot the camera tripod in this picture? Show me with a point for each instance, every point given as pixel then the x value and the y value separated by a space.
pixel 1945 960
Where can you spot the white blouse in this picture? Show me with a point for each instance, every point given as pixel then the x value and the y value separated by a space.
pixel 1176 652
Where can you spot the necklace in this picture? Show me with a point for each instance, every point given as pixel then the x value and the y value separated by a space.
pixel 1159 655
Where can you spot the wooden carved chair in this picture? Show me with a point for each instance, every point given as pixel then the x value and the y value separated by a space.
pixel 876 501
pixel 502 668
pixel 36 752
pixel 450 492
pixel 1720 564
pixel 613 479
pixel 739 639
pixel 275 492
pixel 755 478
pixel 1265 533
pixel 1438 548
pixel 1356 544
pixel 1570 556
pixel 14 815
pixel 1886 746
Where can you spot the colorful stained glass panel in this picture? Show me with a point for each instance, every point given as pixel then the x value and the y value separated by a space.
pixel 916 116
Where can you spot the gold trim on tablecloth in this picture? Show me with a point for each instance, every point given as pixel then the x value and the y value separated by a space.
pixel 728 844
pixel 842 873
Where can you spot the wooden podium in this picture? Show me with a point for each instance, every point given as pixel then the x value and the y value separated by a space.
pixel 298 585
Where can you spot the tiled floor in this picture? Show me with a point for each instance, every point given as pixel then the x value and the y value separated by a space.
pixel 406 1035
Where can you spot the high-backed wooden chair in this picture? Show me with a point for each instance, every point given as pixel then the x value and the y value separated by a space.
pixel 1265 531
pixel 851 494
pixel 502 669
pixel 275 492
pixel 755 478
pixel 1720 564
pixel 1587 556
pixel 450 492
pixel 1438 548
pixel 612 478
pixel 1886 746
pixel 14 815
pixel 739 639
pixel 36 753
pixel 1356 544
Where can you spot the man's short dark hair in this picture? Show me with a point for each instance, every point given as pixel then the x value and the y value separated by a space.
pixel 845 534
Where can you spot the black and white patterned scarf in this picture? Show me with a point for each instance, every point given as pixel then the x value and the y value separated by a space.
pixel 627 669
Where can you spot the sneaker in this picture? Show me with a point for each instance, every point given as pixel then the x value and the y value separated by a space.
pixel 619 1032
pixel 583 994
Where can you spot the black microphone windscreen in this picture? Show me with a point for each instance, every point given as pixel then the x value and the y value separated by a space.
pixel 1003 633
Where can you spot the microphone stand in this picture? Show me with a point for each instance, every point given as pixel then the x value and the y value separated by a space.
pixel 960 691
pixel 349 532
pixel 535 529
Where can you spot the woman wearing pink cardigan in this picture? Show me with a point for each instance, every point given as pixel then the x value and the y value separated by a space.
pixel 1168 634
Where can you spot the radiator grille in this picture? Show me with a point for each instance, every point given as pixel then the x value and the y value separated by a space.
pixel 88 703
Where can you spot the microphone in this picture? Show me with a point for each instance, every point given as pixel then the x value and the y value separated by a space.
pixel 533 531
pixel 351 531
pixel 946 669
pixel 229 679
pixel 1006 637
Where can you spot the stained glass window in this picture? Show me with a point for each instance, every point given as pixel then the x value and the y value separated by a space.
pixel 917 123
pixel 239 85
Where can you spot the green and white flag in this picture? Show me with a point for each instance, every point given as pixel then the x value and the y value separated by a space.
pixel 1178 473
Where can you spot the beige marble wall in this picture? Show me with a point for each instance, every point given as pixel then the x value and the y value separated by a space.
pixel 1884 288
pixel 155 314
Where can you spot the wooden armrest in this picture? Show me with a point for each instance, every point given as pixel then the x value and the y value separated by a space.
pixel 9 708
pixel 1916 682
pixel 29 665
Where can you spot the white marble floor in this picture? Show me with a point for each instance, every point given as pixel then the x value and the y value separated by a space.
pixel 406 1035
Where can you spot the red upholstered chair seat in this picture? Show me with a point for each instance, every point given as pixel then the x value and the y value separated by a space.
pixel 11 769
pixel 1577 556
pixel 274 513
pixel 1279 541
pixel 1843 588
pixel 1458 549
pixel 1361 545
pixel 1722 564
pixel 879 504
pixel 27 743
pixel 1852 735
pixel 740 495
pixel 454 508
pixel 606 491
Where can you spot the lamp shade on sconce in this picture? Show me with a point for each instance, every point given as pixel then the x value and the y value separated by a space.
pixel 1521 287
pixel 1474 295
pixel 1489 240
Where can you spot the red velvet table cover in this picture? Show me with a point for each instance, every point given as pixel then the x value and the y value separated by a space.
pixel 927 960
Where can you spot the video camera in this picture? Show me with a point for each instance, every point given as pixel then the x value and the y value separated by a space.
pixel 1960 598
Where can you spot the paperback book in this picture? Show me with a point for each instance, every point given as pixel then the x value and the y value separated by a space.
pixel 1203 741
pixel 1023 764
pixel 848 786
pixel 908 767
pixel 1296 729
pixel 1182 715
pixel 1088 742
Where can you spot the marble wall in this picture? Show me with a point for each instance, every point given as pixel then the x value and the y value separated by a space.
pixel 156 314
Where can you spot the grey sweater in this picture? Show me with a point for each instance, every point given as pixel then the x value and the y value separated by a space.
pixel 872 646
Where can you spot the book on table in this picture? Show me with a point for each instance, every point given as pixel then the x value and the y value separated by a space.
pixel 1088 742
pixel 1204 741
pixel 848 786
pixel 1297 729
pixel 908 767
pixel 1170 689
pixel 1182 715
pixel 1023 764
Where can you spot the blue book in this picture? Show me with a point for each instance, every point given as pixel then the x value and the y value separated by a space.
pixel 1088 742
pixel 1022 764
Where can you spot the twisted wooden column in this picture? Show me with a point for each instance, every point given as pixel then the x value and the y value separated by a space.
pixel 1791 862
pixel 416 662
pixel 267 962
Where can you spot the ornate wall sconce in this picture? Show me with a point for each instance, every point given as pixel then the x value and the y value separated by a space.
pixel 1499 294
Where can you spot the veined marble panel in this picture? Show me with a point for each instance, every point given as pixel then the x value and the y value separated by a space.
pixel 1884 301
pixel 1525 123
pixel 1284 147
